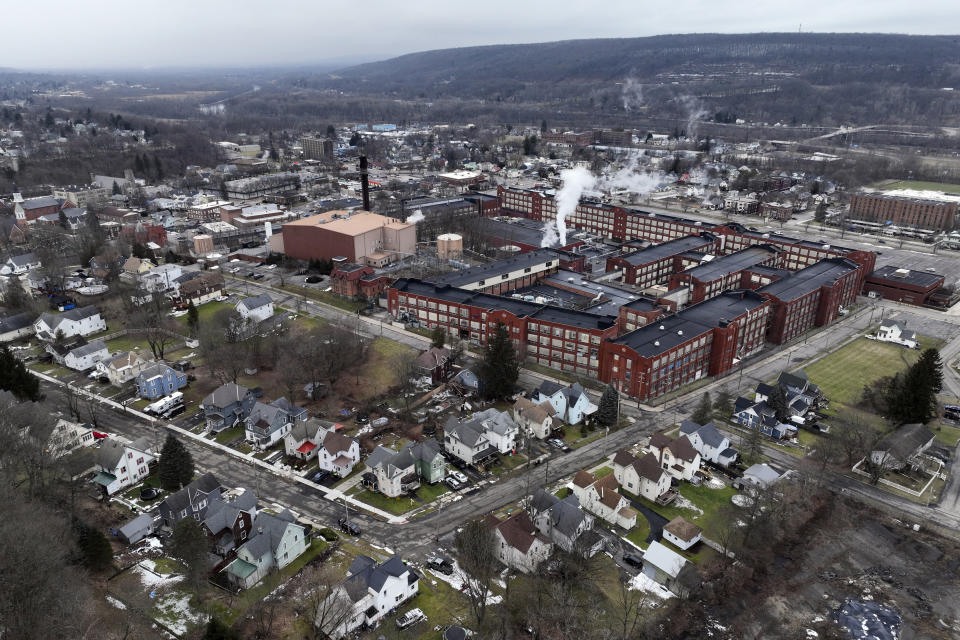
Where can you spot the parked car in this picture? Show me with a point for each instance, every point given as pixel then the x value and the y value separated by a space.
pixel 348 527
pixel 459 476
pixel 633 559
pixel 319 476
pixel 453 483
pixel 441 565
pixel 410 618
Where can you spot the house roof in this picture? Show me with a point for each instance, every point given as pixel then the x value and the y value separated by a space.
pixel 583 479
pixel 142 521
pixel 16 322
pixel 125 359
pixel 221 513
pixel 518 531
pixel 53 320
pixel 905 441
pixel 470 432
pixel 647 466
pixel 89 349
pixel 203 485
pixel 111 451
pixel 255 302
pixel 155 369
pixel 22 260
pixel 306 447
pixel 681 448
pixel 336 443
pixel 763 473
pixel 267 531
pixel 660 440
pixel 432 358
pixel 664 559
pixel 683 529
pixel 533 411
pixel 225 395
pixel 365 574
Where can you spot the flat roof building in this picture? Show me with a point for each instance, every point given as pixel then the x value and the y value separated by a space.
pixel 359 236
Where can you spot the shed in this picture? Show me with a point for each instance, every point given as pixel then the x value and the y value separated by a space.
pixel 137 529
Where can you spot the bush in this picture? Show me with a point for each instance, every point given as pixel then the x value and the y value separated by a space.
pixel 328 534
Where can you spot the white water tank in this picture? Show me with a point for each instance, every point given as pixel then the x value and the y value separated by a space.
pixel 449 245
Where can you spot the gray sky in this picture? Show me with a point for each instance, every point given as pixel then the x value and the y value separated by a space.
pixel 45 34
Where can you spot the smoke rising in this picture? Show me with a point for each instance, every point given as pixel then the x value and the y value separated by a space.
pixel 632 94
pixel 416 216
pixel 695 112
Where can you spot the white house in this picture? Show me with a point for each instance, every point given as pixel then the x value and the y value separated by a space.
pixel 334 451
pixel 18 265
pixel 81 321
pixel 663 566
pixel 641 476
pixel 266 425
pixel 255 309
pixel 275 542
pixel 16 326
pixel 394 472
pixel 712 445
pixel 602 498
pixel 518 543
pixel 572 404
pixel 368 594
pixel 537 419
pixel 760 475
pixel 122 464
pixel 676 456
pixel 499 428
pixel 902 447
pixel 468 441
pixel 890 331
pixel 682 533
pixel 162 278
pixel 87 356
pixel 122 368
pixel 67 437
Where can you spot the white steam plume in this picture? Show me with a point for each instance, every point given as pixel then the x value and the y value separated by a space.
pixel 575 182
pixel 695 112
pixel 632 94
pixel 416 216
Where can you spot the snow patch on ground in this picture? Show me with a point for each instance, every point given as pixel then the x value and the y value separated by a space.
pixel 146 570
pixel 175 612
pixel 115 602
pixel 684 503
pixel 641 582
pixel 384 549
pixel 741 500
pixel 714 483
pixel 459 578
pixel 150 544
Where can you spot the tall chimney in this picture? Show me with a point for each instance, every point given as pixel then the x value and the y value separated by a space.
pixel 365 183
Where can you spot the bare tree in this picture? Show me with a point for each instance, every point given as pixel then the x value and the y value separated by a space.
pixel 325 601
pixel 476 551
pixel 151 317
pixel 404 366
pixel 630 608
pixel 853 436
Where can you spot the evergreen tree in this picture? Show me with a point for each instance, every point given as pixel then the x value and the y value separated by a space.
pixel 723 405
pixel 176 465
pixel 17 379
pixel 911 396
pixel 159 167
pixel 704 411
pixel 931 367
pixel 607 411
pixel 193 318
pixel 116 188
pixel 500 369
pixel 217 630
pixel 331 131
pixel 438 338
pixel 138 164
pixel 95 551
pixel 778 402
pixel 189 544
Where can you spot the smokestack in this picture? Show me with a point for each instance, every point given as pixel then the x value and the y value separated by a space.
pixel 365 183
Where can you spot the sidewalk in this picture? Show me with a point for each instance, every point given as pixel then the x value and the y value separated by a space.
pixel 334 495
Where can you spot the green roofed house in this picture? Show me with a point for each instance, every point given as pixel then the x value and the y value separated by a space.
pixel 121 464
pixel 275 542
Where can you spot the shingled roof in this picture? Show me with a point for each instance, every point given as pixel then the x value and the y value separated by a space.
pixel 518 531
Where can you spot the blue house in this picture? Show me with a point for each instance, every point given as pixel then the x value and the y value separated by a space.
pixel 759 415
pixel 158 380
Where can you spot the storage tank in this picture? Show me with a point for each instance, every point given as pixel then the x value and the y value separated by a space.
pixel 449 245
pixel 202 244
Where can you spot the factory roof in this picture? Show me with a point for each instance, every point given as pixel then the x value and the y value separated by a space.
pixel 351 223
pixel 497 268
pixel 809 279
pixel 906 276
pixel 725 265
pixel 667 249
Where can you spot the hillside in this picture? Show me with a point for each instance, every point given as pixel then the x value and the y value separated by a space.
pixel 761 75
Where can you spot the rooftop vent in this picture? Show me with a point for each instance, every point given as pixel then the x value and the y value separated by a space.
pixel 656 343
pixel 679 332
pixel 662 328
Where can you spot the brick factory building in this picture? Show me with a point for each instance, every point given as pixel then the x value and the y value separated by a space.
pixel 502 276
pixel 358 236
pixel 903 285
pixel 655 264
pixel 728 272
pixel 906 211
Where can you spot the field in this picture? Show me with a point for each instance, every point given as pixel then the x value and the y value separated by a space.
pixel 923 186
pixel 843 374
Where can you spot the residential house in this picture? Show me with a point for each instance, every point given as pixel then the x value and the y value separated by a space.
pixel 81 321
pixel 537 419
pixel 136 266
pixel 798 404
pixel 156 380
pixel 228 405
pixel 668 568
pixel 903 447
pixel 86 357
pixel 682 533
pixel 275 542
pixel 468 441
pixel 572 404
pixel 434 363
pixel 66 437
pixel 17 265
pixel 428 461
pixel 602 498
pixel 204 288
pixel 122 464
pixel 296 413
pixel 304 438
pixel 712 445
pixel 122 367
pixel 676 456
pixel 18 325
pixel 798 383
pixel 641 476
pixel 760 415
pixel 338 453
pixel 392 473
pixel 191 501
pixel 162 278
pixel 265 425
pixel 891 331
pixel 137 529
pixel 760 475
pixel 499 428
pixel 564 522
pixel 518 543
pixel 255 309
pixel 368 594
pixel 228 521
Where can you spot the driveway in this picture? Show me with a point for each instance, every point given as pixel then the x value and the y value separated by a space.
pixel 655 519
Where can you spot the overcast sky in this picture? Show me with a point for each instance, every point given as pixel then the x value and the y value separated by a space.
pixel 45 34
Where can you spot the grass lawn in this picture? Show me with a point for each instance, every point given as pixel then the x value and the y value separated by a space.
pixel 562 492
pixel 709 501
pixel 923 186
pixel 441 603
pixel 602 471
pixel 638 535
pixel 843 374
pixel 229 435
pixel 947 435
pixel 429 492
pixel 378 368
pixel 206 311
pixel 576 444
pixel 509 463
pixel 325 297
pixel 396 506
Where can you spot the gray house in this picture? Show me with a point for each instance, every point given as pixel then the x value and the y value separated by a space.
pixel 191 501
pixel 229 405
pixel 266 425
pixel 229 522
pixel 137 529
pixel 564 522
pixel 902 447
pixel 16 326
